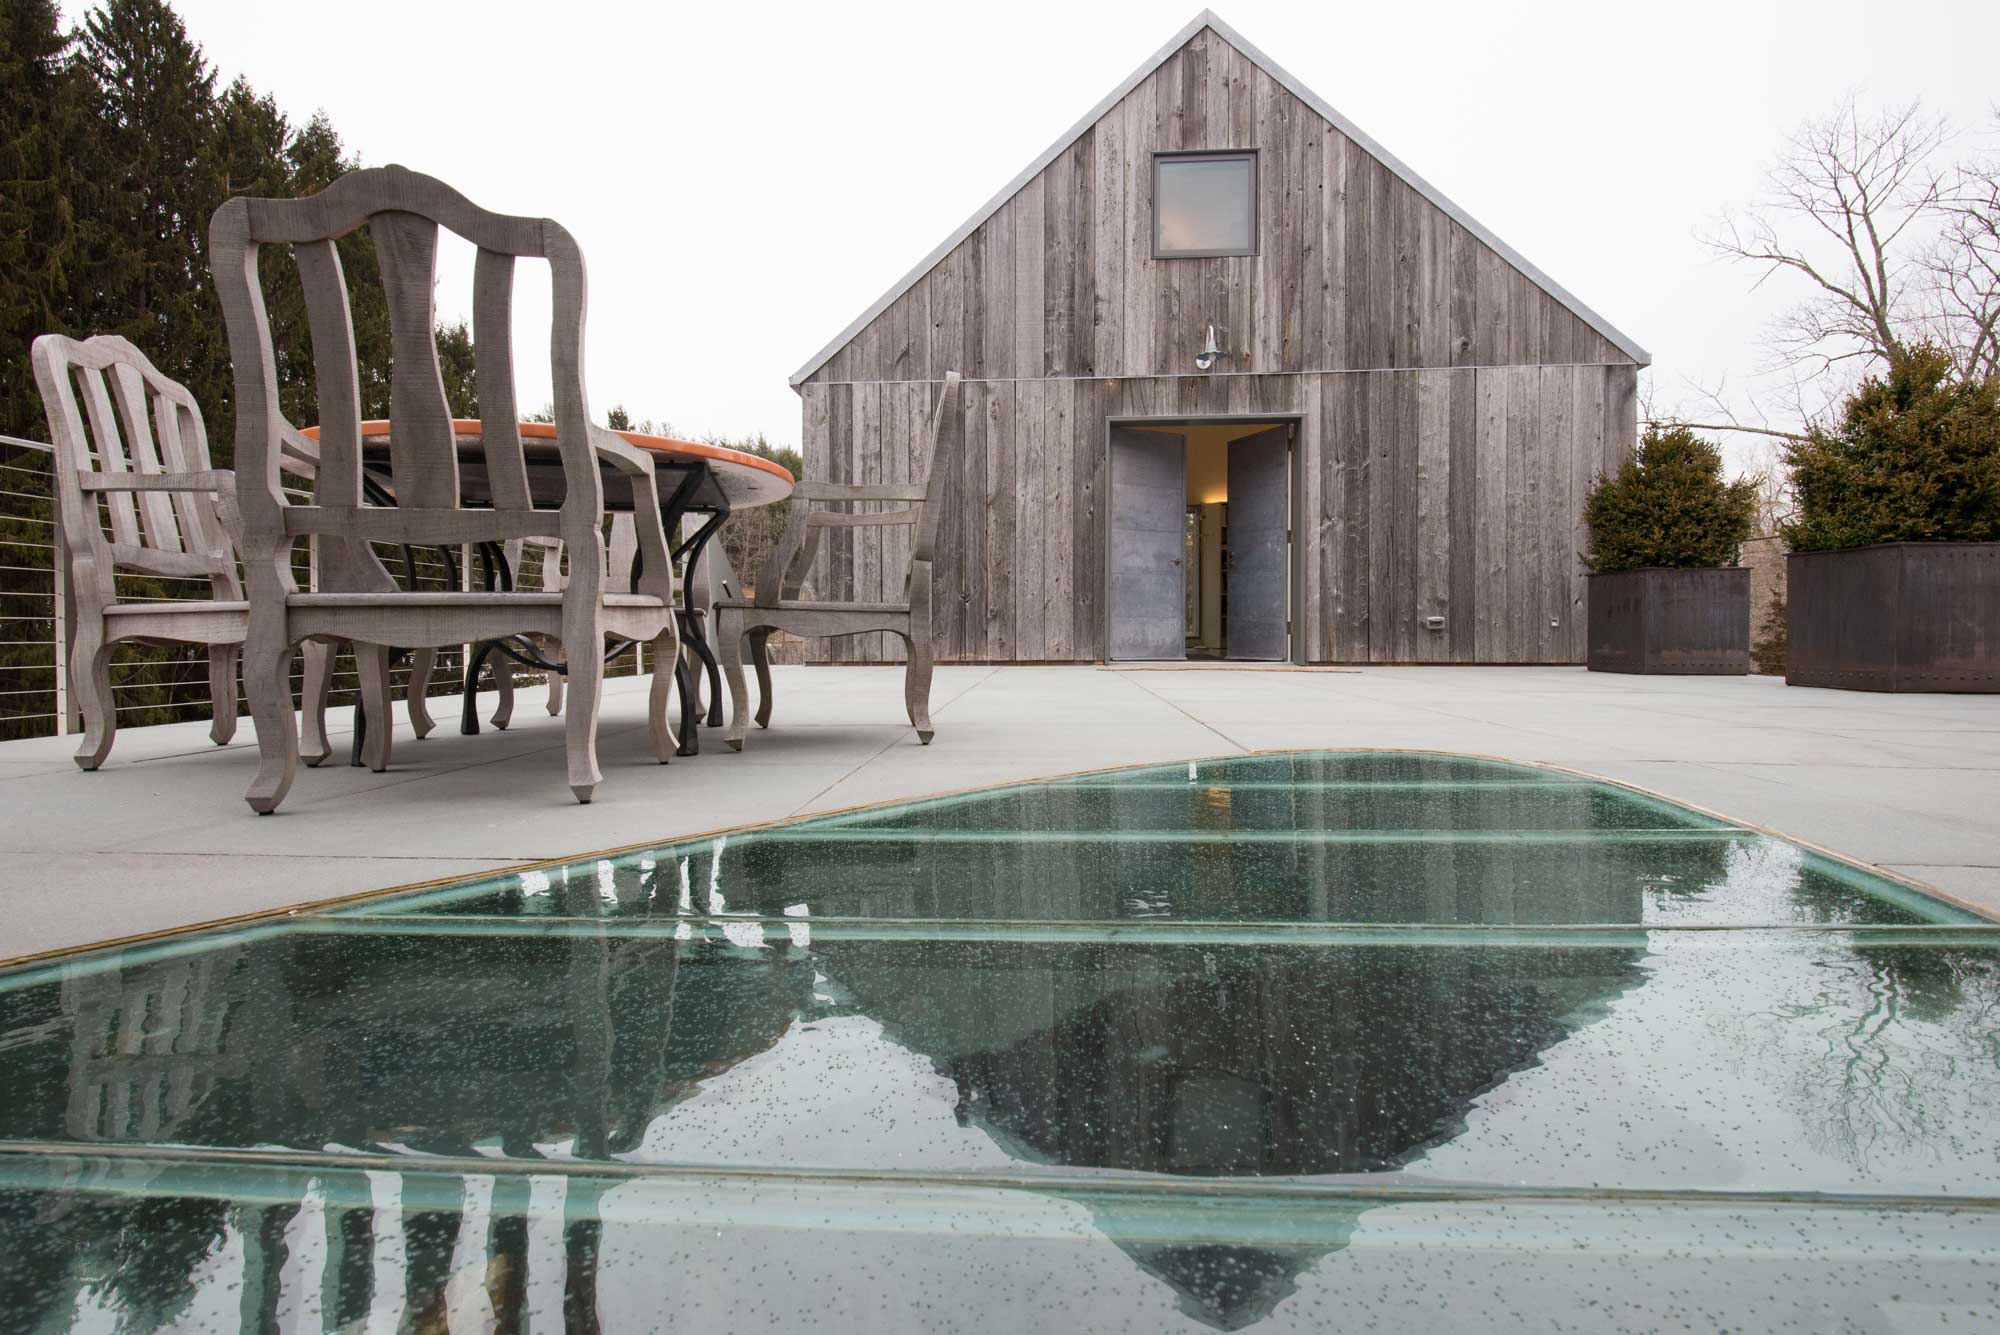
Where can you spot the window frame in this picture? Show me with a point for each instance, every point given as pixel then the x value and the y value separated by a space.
pixel 1249 155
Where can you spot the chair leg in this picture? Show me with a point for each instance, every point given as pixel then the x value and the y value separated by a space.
pixel 917 686
pixel 555 693
pixel 417 694
pixel 313 745
pixel 659 717
pixel 760 658
pixel 583 649
pixel 90 682
pixel 503 690
pixel 267 680
pixel 372 664
pixel 729 636
pixel 222 660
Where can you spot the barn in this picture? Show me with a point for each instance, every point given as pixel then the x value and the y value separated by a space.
pixel 1239 386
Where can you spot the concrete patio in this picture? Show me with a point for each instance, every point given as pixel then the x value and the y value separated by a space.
pixel 160 837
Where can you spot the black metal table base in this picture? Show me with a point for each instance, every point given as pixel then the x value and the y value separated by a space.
pixel 688 618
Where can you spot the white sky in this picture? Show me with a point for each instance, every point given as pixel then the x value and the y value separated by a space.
pixel 745 179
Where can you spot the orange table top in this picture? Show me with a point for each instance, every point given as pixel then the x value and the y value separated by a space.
pixel 746 479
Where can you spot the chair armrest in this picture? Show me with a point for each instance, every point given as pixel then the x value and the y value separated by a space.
pixel 298 453
pixel 785 567
pixel 793 582
pixel 208 479
pixel 621 453
pixel 656 561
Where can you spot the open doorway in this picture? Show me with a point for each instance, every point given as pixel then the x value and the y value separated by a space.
pixel 1200 542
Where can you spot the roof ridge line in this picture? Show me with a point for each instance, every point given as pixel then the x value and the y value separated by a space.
pixel 1208 19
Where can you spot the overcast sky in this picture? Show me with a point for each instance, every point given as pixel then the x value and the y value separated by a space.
pixel 746 179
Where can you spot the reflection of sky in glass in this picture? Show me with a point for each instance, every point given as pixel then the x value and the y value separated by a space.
pixel 1204 204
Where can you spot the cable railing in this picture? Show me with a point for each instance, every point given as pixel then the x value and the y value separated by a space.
pixel 162 683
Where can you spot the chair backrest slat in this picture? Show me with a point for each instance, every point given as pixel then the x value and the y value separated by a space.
pixel 493 363
pixel 337 478
pixel 128 395
pixel 947 439
pixel 184 449
pixel 110 451
pixel 423 448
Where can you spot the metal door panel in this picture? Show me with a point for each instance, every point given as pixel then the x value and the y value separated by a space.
pixel 1259 574
pixel 1146 575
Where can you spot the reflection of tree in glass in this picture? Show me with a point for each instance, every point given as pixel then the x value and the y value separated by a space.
pixel 1758 880
pixel 1696 872
pixel 1893 1029
pixel 140 1257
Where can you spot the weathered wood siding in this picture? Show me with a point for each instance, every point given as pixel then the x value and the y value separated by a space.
pixel 1355 268
pixel 1452 492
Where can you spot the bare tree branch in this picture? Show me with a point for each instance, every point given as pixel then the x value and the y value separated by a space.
pixel 1727 426
pixel 1847 198
pixel 1963 267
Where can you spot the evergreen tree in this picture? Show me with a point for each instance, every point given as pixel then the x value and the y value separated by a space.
pixel 455 361
pixel 1915 457
pixel 1668 505
pixel 154 177
pixel 40 141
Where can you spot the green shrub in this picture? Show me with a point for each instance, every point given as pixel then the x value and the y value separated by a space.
pixel 1915 458
pixel 1668 506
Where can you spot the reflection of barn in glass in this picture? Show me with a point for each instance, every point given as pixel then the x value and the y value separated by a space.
pixel 1229 1062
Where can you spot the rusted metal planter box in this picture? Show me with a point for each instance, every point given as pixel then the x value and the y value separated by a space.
pixel 1689 622
pixel 1901 616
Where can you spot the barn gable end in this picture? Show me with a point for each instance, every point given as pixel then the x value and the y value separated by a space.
pixel 1361 264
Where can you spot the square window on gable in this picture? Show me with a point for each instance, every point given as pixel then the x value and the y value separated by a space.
pixel 1204 204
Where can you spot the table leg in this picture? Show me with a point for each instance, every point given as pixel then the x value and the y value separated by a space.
pixel 695 631
pixel 468 715
pixel 690 739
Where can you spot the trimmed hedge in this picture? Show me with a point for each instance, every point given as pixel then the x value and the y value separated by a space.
pixel 1915 458
pixel 1668 506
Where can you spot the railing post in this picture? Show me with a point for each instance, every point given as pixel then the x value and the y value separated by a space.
pixel 465 586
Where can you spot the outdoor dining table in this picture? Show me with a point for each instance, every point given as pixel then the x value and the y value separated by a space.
pixel 711 481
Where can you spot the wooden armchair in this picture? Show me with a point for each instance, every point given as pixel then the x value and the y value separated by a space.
pixel 358 599
pixel 169 515
pixel 741 623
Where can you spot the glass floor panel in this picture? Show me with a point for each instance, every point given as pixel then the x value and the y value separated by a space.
pixel 1710 878
pixel 1407 1040
pixel 203 1247
pixel 1327 837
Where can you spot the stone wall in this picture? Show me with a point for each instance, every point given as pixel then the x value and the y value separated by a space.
pixel 1766 558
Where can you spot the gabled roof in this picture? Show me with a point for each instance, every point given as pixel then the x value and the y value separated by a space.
pixel 1207 19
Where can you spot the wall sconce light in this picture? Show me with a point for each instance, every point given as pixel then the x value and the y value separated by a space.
pixel 1210 350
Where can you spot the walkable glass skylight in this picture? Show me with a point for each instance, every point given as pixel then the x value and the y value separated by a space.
pixel 1279 1042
